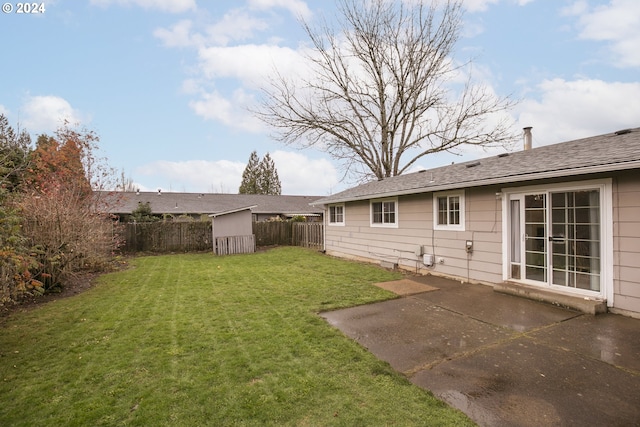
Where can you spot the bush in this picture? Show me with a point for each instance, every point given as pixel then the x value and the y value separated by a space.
pixel 67 235
pixel 16 261
pixel 16 279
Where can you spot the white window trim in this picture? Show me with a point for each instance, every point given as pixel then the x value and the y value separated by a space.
pixel 384 225
pixel 337 223
pixel 463 213
pixel 606 230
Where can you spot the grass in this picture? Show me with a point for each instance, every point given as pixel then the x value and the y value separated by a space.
pixel 195 340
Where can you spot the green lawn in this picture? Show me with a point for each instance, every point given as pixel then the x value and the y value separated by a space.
pixel 195 340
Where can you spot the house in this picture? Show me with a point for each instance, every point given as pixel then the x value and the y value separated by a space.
pixel 562 220
pixel 189 206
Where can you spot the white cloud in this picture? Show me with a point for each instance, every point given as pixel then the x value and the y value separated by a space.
pixel 574 109
pixel 179 35
pixel 478 5
pixel 483 5
pixel 304 176
pixel 249 63
pixel 237 24
pixel 171 6
pixel 221 67
pixel 45 114
pixel 576 8
pixel 220 176
pixel 298 174
pixel 616 23
pixel 231 112
pixel 297 8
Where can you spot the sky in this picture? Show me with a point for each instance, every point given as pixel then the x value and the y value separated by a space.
pixel 168 85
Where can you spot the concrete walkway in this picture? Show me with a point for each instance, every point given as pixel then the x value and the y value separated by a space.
pixel 501 359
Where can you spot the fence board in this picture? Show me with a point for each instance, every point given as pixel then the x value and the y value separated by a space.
pixel 231 245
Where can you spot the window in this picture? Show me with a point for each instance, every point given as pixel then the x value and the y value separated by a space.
pixel 448 211
pixel 336 215
pixel 384 213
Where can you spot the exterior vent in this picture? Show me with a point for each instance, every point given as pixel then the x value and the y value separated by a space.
pixel 472 165
pixel 623 131
pixel 503 155
pixel 528 138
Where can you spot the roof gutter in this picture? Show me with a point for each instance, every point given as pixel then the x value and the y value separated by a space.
pixel 635 164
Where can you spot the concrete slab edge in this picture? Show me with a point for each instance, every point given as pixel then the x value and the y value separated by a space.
pixel 581 304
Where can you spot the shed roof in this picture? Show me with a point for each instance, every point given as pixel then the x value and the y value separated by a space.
pixel 610 152
pixel 232 211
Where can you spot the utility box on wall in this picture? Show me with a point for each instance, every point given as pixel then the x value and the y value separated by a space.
pixel 427 259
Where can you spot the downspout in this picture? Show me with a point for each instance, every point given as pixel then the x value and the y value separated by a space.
pixel 325 223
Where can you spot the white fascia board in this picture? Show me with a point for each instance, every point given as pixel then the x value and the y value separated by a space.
pixel 213 215
pixel 563 173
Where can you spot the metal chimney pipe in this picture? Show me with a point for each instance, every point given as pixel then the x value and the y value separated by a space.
pixel 527 138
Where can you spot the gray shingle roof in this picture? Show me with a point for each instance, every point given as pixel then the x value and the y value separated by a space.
pixel 209 203
pixel 614 151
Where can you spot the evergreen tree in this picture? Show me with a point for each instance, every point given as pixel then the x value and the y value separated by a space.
pixel 268 180
pixel 14 155
pixel 250 176
pixel 143 213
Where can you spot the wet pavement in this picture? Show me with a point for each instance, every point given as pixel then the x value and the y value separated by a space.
pixel 504 360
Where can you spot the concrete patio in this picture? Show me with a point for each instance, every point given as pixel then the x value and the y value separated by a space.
pixel 502 359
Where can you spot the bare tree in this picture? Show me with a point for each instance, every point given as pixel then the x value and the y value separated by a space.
pixel 125 183
pixel 381 89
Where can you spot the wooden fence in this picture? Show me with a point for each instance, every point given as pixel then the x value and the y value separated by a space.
pixel 196 236
pixel 235 245
pixel 308 234
pixel 167 236
pixel 286 233
pixel 272 233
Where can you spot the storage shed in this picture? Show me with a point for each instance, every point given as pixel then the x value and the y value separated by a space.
pixel 232 231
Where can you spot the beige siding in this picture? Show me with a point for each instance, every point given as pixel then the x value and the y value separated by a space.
pixel 359 240
pixel 483 216
pixel 233 224
pixel 626 242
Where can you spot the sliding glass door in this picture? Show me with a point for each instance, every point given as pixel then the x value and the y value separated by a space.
pixel 555 238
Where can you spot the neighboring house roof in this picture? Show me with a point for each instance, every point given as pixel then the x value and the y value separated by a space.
pixel 604 153
pixel 120 202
